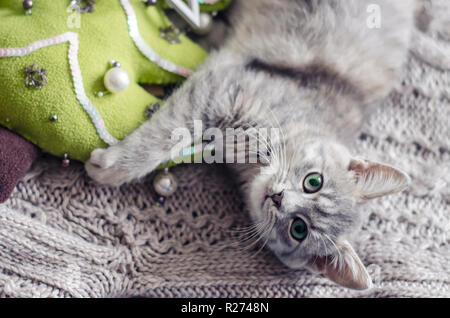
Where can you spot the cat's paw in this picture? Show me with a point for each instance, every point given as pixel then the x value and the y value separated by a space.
pixel 109 166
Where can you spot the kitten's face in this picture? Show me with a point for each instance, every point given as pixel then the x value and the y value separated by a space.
pixel 310 205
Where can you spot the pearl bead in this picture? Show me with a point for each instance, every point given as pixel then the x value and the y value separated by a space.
pixel 206 23
pixel 116 80
pixel 165 184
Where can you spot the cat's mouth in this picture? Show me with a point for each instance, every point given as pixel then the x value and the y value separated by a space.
pixel 269 197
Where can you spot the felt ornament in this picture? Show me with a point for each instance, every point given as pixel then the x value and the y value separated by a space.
pixel 70 75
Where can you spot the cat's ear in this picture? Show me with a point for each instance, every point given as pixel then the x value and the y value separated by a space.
pixel 374 179
pixel 346 269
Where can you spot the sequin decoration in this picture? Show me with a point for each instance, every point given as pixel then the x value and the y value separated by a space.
pixel 151 109
pixel 171 34
pixel 35 76
pixel 145 49
pixel 83 6
pixel 80 93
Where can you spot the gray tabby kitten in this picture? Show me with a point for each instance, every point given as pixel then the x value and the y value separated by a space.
pixel 314 69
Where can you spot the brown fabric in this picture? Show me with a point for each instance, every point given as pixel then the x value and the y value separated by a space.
pixel 16 157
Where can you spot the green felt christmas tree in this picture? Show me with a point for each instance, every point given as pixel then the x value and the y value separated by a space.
pixel 53 64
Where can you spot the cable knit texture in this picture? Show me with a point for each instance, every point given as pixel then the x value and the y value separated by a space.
pixel 61 235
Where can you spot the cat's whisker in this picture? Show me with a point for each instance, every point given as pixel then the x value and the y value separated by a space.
pixel 269 145
pixel 257 136
pixel 283 138
pixel 242 230
pixel 318 249
pixel 257 153
pixel 315 236
pixel 338 257
pixel 326 250
pixel 240 242
pixel 245 229
pixel 267 234
pixel 243 233
pixel 260 234
pixel 255 231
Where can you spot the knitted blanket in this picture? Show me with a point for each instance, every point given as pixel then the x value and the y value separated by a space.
pixel 62 235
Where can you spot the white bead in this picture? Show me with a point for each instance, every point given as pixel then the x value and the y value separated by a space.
pixel 206 23
pixel 116 80
pixel 165 184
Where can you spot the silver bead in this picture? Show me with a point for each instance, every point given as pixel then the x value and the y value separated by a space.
pixel 150 2
pixel 83 6
pixel 206 23
pixel 114 63
pixel 27 5
pixel 165 184
pixel 66 161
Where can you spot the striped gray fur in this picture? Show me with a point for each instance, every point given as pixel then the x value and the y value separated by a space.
pixel 313 69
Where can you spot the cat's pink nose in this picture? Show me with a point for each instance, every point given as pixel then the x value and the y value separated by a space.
pixel 277 198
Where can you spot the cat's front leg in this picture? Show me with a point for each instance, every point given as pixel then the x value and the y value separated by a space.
pixel 137 155
pixel 151 144
pixel 120 163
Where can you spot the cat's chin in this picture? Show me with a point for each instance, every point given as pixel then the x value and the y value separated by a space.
pixel 293 263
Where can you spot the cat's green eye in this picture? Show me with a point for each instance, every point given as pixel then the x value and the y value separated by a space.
pixel 299 229
pixel 313 182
